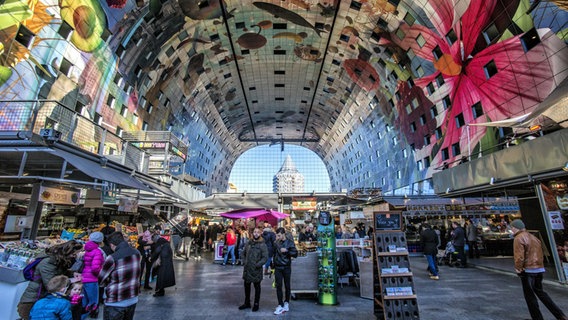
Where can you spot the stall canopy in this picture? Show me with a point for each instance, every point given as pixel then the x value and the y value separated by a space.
pixel 258 214
pixel 236 201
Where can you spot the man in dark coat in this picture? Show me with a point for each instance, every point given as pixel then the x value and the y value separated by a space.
pixel 458 240
pixel 254 257
pixel 166 276
pixel 430 244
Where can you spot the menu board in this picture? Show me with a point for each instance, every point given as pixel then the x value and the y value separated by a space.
pixel 388 220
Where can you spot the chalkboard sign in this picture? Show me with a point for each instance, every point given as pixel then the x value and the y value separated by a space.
pixel 388 220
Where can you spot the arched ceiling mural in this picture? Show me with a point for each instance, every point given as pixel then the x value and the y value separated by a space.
pixel 381 90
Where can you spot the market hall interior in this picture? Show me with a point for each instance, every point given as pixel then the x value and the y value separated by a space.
pixel 146 105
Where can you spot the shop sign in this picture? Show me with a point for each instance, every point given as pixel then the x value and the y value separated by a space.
pixel 356 215
pixel 128 205
pixel 150 145
pixel 109 192
pixel 556 220
pixel 304 204
pixel 59 196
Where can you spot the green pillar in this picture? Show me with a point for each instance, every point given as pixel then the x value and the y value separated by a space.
pixel 327 262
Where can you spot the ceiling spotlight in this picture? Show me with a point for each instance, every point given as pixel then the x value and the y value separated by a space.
pixel 103 161
pixel 448 190
pixel 565 168
pixel 492 181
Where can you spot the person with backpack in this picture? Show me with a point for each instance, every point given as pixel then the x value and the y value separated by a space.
pixel 56 261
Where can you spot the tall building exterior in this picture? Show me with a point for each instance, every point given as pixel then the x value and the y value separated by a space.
pixel 288 179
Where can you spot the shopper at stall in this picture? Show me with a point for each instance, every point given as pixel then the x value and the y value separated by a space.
pixel 269 237
pixel 254 257
pixel 529 266
pixel 55 305
pixel 93 260
pixel 284 251
pixel 230 243
pixel 243 240
pixel 430 243
pixel 458 240
pixel 471 235
pixel 56 261
pixel 120 276
pixel 145 248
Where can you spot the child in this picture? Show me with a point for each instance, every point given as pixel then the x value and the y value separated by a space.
pixel 94 260
pixel 54 305
pixel 75 294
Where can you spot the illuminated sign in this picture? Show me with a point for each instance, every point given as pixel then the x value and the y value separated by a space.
pixel 59 196
pixel 304 204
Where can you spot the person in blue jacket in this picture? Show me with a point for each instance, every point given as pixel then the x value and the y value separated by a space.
pixel 55 306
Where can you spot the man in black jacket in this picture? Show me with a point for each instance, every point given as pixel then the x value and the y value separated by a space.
pixel 458 240
pixel 430 244
pixel 284 251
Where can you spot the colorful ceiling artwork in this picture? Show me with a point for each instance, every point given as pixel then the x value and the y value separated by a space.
pixel 386 92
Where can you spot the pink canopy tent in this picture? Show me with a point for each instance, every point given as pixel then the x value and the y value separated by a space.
pixel 258 214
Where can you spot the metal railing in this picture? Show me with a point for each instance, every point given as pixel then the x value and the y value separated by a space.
pixel 76 129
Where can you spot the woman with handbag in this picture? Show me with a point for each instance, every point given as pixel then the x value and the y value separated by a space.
pixel 162 262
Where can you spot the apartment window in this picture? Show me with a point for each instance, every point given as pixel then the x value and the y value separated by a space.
pixel 150 108
pixel 398 174
pixel 144 126
pixel 490 33
pixel 423 119
pixel 530 39
pixel 437 53
pixel 445 154
pixel 404 153
pixel 434 111
pixel 420 165
pixel 394 141
pixel 124 111
pixel 120 50
pixel 426 139
pixel 446 102
pixel 65 30
pixel 451 37
pixel 490 69
pixel 456 149
pixel 118 79
pixel 440 79
pixel 135 119
pixel 65 67
pixel 400 34
pixel 98 119
pixel 388 163
pixel 25 37
pixel 408 108
pixel 460 122
pixel 419 71
pixel 420 40
pixel 110 101
pixel 79 107
pixel 438 133
pixel 430 88
pixel 409 19
pixel 412 126
pixel 119 131
pixel 426 162
pixel 477 110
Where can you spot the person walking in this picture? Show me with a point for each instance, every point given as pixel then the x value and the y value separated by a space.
pixel 254 257
pixel 284 251
pixel 529 266
pixel 162 260
pixel 93 260
pixel 471 235
pixel 458 240
pixel 145 248
pixel 56 261
pixel 430 244
pixel 120 275
pixel 230 242
pixel 269 237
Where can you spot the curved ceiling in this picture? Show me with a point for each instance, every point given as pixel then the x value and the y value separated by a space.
pixel 335 76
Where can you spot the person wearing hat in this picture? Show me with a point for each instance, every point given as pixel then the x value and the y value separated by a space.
pixel 93 260
pixel 529 265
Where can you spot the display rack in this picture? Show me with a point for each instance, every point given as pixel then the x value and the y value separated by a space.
pixel 394 295
pixel 327 260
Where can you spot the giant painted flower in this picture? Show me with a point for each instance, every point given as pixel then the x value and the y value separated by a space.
pixel 522 79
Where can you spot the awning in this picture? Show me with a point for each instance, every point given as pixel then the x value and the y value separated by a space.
pixel 236 201
pixel 163 190
pixel 97 171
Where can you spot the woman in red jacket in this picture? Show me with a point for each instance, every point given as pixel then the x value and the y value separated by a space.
pixel 230 242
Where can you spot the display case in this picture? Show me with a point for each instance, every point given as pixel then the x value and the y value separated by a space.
pixel 394 295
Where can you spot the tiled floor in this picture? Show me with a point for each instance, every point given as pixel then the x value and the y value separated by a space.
pixel 206 290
